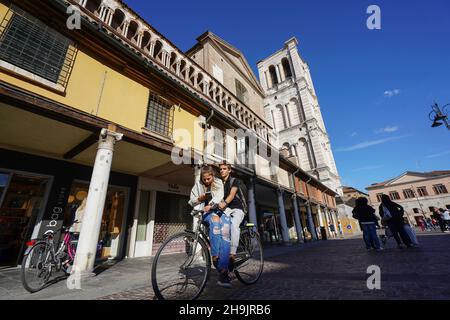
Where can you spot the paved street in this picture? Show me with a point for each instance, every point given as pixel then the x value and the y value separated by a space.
pixel 334 269
pixel 337 270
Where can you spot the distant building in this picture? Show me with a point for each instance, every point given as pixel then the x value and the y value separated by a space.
pixel 346 203
pixel 417 192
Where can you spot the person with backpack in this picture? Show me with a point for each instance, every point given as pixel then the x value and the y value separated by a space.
pixel 234 205
pixel 391 214
pixel 365 214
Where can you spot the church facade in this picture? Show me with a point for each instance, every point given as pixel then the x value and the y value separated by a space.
pixel 292 108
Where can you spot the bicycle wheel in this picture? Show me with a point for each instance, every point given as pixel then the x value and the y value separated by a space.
pixel 179 272
pixel 249 258
pixel 36 267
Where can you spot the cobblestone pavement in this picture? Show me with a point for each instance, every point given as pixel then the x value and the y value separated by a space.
pixel 337 269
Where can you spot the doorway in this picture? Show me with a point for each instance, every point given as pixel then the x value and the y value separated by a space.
pixel 22 199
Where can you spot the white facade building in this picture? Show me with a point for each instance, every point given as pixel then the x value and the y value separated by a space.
pixel 292 108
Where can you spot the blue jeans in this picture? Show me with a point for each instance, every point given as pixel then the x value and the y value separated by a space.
pixel 219 236
pixel 370 236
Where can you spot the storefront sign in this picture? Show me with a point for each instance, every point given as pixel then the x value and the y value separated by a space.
pixel 54 215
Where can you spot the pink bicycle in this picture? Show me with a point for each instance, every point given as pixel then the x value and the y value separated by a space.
pixel 41 261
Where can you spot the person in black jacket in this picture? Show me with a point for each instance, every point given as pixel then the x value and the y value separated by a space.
pixel 365 214
pixel 391 214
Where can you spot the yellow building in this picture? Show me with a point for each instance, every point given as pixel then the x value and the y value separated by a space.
pixel 95 119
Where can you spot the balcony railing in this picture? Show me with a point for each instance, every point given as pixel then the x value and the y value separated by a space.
pixel 133 31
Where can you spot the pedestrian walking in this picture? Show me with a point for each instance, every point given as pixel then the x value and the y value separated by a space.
pixel 391 214
pixel 411 233
pixel 446 218
pixel 429 224
pixel 439 218
pixel 365 214
pixel 421 223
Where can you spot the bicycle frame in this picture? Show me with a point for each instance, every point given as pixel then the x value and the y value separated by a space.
pixel 199 233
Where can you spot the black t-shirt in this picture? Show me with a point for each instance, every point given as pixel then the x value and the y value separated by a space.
pixel 236 202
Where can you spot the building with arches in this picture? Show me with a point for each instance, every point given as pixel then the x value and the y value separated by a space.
pixel 291 107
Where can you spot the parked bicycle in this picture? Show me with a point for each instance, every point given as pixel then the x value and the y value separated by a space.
pixel 41 261
pixel 182 264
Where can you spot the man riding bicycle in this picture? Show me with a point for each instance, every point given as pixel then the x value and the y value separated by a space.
pixel 233 205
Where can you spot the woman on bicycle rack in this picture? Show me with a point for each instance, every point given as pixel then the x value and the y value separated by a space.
pixel 207 194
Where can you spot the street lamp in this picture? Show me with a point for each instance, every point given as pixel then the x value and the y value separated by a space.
pixel 440 117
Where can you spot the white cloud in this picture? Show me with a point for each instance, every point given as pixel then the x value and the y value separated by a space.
pixel 391 93
pixel 388 129
pixel 353 134
pixel 367 144
pixel 436 155
pixel 368 168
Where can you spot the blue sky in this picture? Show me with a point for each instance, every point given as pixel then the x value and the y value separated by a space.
pixel 375 87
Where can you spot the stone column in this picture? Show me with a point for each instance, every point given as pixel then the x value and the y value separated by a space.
pixel 152 48
pixel 298 224
pixel 268 79
pixel 288 116
pixel 101 13
pixel 277 68
pixel 90 230
pixel 252 203
pixel 283 221
pixel 312 228
pixel 283 76
pixel 139 40
pixel 126 25
pixel 178 68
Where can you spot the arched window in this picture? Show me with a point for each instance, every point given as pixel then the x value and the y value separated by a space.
pixel 286 68
pixel 132 30
pixel 173 59
pixel 241 92
pixel 294 112
pixel 145 45
pixel 286 150
pixel 304 154
pixel 273 75
pixel 158 50
pixel 280 122
pixel 117 20
pixel 93 5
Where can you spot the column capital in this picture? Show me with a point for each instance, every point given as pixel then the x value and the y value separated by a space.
pixel 105 133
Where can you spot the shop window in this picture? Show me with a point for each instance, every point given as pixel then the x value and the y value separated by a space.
pixel 144 216
pixel 171 216
pixel 29 44
pixel 160 115
pixel 111 230
pixel 21 200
